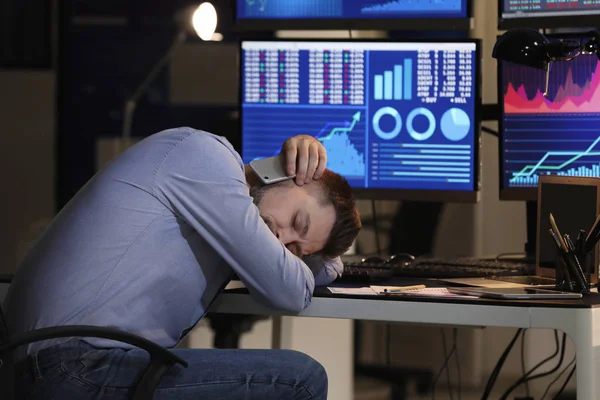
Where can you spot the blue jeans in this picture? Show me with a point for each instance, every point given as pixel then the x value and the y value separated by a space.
pixel 77 370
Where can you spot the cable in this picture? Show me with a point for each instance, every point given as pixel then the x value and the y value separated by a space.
pixel 504 255
pixel 375 227
pixel 388 340
pixel 444 366
pixel 490 131
pixel 131 103
pixel 350 33
pixel 447 369
pixel 527 378
pixel 565 383
pixel 558 377
pixel 458 377
pixel 523 359
pixel 494 375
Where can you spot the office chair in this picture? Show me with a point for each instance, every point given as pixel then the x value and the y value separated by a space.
pixel 160 358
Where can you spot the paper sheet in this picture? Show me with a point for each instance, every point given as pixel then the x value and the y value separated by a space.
pixel 431 292
pixel 380 289
pixel 398 291
pixel 367 291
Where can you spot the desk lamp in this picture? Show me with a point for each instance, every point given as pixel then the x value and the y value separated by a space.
pixel 531 48
pixel 203 20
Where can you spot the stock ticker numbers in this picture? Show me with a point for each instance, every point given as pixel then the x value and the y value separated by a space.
pixel 272 76
pixel 336 77
pixel 444 74
pixel 549 5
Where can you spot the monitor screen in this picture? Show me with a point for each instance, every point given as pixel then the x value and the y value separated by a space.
pixel 345 14
pixel 398 119
pixel 548 13
pixel 555 134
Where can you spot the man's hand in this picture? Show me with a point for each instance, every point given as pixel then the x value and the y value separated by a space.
pixel 306 157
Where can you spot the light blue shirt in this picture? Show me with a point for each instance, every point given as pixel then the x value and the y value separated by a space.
pixel 149 242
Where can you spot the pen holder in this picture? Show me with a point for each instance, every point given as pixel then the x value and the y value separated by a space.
pixel 573 272
pixel 563 279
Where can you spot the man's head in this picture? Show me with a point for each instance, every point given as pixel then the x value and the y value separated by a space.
pixel 318 217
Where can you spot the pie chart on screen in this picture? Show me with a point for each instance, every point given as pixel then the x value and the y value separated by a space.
pixel 455 124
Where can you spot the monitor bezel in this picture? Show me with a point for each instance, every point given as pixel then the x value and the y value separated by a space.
pixel 438 23
pixel 507 193
pixel 565 21
pixel 450 196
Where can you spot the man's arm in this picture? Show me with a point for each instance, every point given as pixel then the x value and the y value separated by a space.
pixel 202 181
pixel 325 270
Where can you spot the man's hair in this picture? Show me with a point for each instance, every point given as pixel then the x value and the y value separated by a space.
pixel 337 191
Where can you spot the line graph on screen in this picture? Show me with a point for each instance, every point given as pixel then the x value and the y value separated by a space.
pixel 559 162
pixel 343 138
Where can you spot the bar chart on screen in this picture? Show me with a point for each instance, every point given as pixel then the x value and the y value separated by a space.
pixel 394 84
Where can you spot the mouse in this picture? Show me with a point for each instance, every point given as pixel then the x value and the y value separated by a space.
pixel 401 260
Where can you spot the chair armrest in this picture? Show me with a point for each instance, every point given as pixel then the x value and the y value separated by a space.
pixel 156 352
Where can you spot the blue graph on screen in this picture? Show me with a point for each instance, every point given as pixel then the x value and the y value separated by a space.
pixel 560 163
pixel 389 119
pixel 414 6
pixel 350 9
pixel 292 8
pixel 341 132
pixel 342 155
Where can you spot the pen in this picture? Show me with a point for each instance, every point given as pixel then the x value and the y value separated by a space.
pixel 555 237
pixel 580 241
pixel 579 276
pixel 575 265
pixel 569 243
pixel 404 289
pixel 563 245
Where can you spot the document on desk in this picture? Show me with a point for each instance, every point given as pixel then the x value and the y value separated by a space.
pixel 365 290
pixel 424 292
pixel 415 290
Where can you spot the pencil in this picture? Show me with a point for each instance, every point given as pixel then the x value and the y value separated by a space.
pixel 593 231
pixel 560 238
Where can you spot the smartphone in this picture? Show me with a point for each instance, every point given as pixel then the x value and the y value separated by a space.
pixel 515 293
pixel 271 170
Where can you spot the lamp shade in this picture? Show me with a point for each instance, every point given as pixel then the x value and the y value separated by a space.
pixel 524 47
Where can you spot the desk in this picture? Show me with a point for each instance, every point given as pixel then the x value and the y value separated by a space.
pixel 579 319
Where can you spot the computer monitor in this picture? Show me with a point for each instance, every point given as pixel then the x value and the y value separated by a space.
pixel 556 134
pixel 548 13
pixel 399 119
pixel 353 14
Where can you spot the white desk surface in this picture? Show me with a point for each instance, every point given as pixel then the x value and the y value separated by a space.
pixel 580 319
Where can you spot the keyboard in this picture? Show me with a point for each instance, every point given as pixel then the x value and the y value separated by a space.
pixel 365 272
pixel 358 271
pixel 463 268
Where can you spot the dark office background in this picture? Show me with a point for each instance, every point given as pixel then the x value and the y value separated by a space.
pixel 100 51
pixel 66 68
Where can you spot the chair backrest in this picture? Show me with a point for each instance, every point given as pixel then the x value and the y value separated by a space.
pixel 7 385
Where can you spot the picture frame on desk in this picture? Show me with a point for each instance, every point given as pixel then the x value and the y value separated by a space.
pixel 575 203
